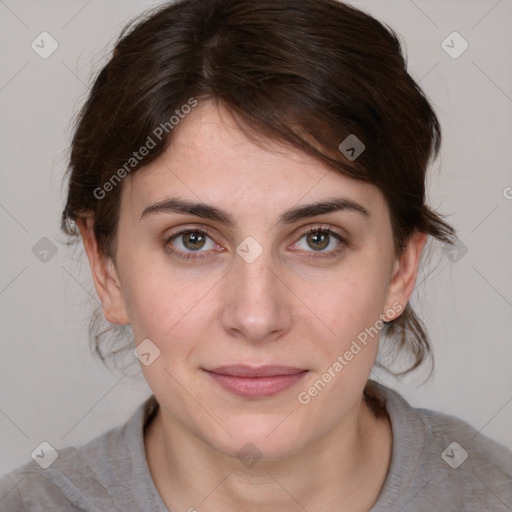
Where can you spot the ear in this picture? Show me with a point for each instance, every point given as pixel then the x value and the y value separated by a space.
pixel 405 271
pixel 106 280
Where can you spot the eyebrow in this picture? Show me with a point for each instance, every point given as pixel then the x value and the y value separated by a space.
pixel 205 211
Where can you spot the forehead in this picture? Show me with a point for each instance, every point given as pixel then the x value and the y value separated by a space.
pixel 211 160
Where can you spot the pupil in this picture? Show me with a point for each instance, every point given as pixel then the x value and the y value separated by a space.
pixel 320 240
pixel 194 240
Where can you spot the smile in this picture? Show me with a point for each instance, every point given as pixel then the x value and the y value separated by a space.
pixel 259 382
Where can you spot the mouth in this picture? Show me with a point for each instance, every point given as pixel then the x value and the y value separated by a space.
pixel 256 382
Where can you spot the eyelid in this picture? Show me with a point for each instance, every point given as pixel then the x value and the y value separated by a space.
pixel 203 229
pixel 323 228
pixel 214 233
pixel 332 230
pixel 191 255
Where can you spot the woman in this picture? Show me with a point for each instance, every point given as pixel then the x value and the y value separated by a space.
pixel 248 180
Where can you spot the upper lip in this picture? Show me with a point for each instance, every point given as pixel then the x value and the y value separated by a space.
pixel 242 370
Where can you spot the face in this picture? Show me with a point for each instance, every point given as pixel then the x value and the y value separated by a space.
pixel 263 316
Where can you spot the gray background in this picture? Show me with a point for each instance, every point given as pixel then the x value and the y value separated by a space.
pixel 52 389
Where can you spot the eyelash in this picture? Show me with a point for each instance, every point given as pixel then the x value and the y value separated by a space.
pixel 204 254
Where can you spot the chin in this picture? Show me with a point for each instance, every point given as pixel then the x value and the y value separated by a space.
pixel 257 438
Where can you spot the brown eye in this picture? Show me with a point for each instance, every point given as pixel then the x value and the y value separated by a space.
pixel 318 240
pixel 192 244
pixel 321 242
pixel 194 240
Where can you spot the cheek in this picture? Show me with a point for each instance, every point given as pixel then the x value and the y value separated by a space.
pixel 168 308
pixel 353 312
pixel 351 300
pixel 158 306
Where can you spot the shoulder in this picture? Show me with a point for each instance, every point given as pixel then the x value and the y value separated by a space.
pixel 461 442
pixel 71 482
pixel 440 460
pixel 62 486
pixel 92 478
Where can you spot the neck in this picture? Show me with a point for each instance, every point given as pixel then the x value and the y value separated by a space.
pixel 329 474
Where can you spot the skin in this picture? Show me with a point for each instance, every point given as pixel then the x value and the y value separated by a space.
pixel 288 307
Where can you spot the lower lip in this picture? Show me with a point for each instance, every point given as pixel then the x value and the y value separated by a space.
pixel 256 387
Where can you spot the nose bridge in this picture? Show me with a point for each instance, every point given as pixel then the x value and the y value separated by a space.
pixel 255 304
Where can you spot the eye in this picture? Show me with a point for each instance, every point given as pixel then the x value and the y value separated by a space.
pixel 189 243
pixel 321 240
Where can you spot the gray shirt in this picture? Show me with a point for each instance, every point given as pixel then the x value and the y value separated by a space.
pixel 438 463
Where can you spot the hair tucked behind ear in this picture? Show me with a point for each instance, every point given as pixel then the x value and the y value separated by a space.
pixel 408 333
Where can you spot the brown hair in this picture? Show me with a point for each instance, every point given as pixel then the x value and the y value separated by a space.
pixel 307 73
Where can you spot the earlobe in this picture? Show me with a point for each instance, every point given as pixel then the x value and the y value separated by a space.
pixel 106 280
pixel 405 272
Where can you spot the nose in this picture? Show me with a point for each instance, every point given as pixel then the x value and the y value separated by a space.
pixel 256 303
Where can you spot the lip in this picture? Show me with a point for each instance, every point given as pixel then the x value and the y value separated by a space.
pixel 256 382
